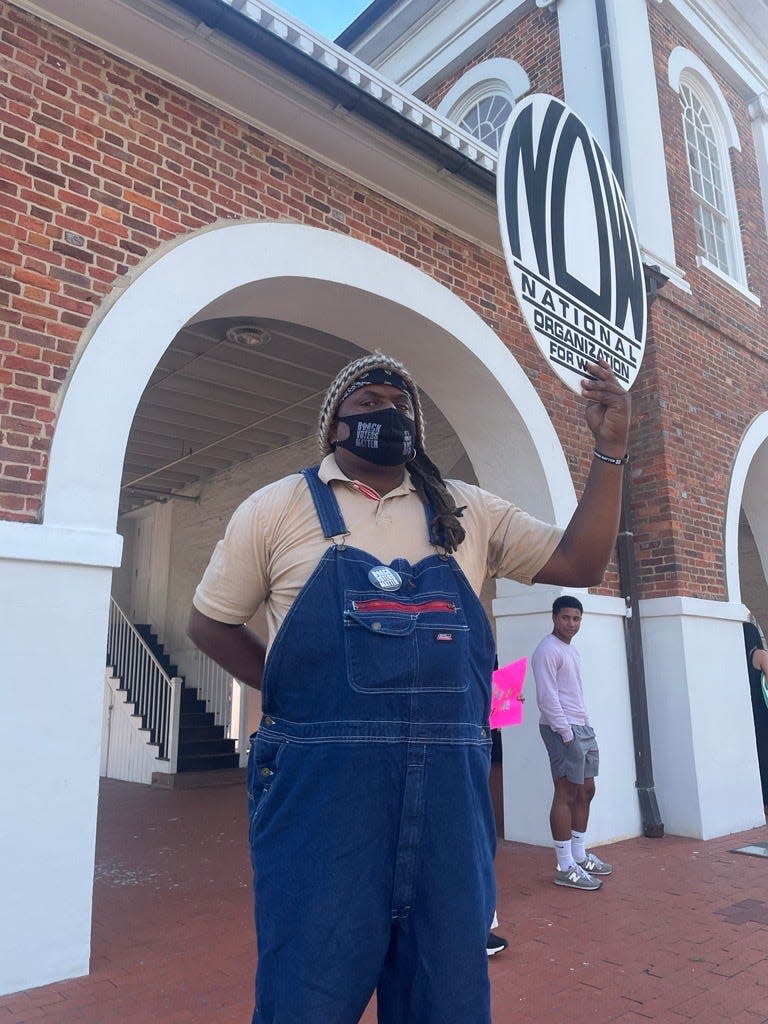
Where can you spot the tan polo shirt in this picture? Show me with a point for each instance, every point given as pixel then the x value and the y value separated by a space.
pixel 274 541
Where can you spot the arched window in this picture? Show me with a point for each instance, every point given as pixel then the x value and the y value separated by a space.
pixel 710 133
pixel 482 99
pixel 485 118
pixel 705 165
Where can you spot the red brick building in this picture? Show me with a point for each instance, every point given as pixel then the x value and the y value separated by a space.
pixel 207 209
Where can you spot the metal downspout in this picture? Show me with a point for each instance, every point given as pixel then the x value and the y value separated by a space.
pixel 653 826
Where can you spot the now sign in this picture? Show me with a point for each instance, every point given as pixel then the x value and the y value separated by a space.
pixel 569 243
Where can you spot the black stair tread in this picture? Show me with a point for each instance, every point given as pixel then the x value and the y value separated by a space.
pixel 221 744
pixel 188 701
pixel 201 732
pixel 197 718
pixel 207 762
pixel 195 747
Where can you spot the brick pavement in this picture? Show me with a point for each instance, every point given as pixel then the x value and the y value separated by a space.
pixel 679 934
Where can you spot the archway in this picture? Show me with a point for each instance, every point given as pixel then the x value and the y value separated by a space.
pixel 335 284
pixel 60 571
pixel 748 487
pixel 746 538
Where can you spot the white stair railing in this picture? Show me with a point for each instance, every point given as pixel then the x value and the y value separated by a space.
pixel 155 695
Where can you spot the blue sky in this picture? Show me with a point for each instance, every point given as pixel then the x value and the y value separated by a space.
pixel 329 17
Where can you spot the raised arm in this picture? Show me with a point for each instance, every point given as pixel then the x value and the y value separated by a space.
pixel 580 558
pixel 237 649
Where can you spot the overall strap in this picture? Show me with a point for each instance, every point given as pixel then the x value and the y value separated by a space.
pixel 326 505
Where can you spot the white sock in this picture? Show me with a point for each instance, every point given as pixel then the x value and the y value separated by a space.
pixel 578 845
pixel 563 853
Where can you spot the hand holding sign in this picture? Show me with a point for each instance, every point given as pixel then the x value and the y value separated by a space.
pixel 506 699
pixel 608 409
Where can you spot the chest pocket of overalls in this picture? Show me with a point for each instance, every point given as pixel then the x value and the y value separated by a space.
pixel 405 646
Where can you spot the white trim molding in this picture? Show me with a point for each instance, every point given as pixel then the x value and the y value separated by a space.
pixel 758 113
pixel 501 74
pixel 681 61
pixel 34 542
pixel 749 475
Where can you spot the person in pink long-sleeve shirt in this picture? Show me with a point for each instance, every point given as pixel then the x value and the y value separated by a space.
pixel 572 747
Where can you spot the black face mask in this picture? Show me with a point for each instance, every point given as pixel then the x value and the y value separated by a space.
pixel 386 437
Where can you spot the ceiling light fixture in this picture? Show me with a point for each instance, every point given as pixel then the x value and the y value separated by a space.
pixel 248 335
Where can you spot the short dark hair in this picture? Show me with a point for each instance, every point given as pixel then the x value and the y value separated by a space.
pixel 566 601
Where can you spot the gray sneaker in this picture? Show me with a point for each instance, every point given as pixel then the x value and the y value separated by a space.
pixel 594 866
pixel 575 877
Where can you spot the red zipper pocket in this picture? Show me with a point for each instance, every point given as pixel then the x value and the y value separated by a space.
pixel 380 604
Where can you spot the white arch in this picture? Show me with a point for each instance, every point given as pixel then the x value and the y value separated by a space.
pixel 335 284
pixel 751 460
pixel 500 74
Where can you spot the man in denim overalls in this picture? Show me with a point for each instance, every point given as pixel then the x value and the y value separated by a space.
pixel 371 828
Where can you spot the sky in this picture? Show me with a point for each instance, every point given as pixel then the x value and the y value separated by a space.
pixel 329 17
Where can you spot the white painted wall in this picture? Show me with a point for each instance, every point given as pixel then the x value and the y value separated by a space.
pixel 523 618
pixel 52 652
pixel 702 733
pixel 125 753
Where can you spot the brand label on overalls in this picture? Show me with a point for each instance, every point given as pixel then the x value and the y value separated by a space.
pixel 384 578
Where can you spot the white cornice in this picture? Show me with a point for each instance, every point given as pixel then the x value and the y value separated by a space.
pixel 449 34
pixel 364 77
pixel 728 36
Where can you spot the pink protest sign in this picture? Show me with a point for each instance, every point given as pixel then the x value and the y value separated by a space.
pixel 506 704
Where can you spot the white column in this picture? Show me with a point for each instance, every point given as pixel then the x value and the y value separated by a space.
pixel 702 733
pixel 642 143
pixel 523 618
pixel 582 68
pixel 54 592
pixel 758 112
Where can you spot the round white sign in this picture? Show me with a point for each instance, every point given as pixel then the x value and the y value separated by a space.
pixel 569 243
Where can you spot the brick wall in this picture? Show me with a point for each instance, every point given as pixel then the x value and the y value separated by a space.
pixel 103 163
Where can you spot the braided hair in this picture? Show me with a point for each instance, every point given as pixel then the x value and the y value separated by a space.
pixel 427 479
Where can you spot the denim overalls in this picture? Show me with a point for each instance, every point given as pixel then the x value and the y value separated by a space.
pixel 371 826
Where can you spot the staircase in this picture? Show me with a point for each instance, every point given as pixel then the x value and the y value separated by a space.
pixel 202 744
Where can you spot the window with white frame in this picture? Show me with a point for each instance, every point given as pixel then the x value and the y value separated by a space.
pixel 710 134
pixel 705 165
pixel 482 99
pixel 486 117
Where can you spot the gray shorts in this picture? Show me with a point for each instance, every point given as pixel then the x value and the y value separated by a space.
pixel 579 760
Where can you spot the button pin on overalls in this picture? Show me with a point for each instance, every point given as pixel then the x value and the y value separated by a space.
pixel 384 578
